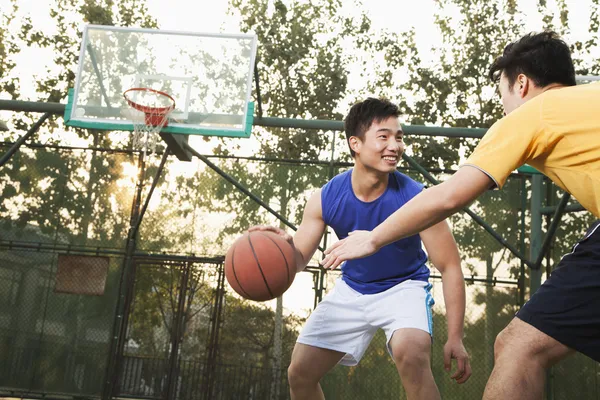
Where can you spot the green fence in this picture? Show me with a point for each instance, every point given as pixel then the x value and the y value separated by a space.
pixel 188 335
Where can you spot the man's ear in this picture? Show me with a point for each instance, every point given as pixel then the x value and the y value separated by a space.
pixel 354 143
pixel 523 84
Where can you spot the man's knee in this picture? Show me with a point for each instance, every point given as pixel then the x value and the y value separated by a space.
pixel 501 344
pixel 309 364
pixel 524 344
pixel 299 375
pixel 411 352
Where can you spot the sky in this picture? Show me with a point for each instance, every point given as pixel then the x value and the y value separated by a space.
pixel 211 16
pixel 395 15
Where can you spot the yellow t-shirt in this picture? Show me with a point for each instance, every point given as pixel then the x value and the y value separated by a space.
pixel 557 133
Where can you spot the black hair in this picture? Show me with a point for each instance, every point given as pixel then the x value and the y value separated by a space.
pixel 362 115
pixel 542 57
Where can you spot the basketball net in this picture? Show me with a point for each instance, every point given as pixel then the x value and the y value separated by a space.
pixel 145 136
pixel 150 110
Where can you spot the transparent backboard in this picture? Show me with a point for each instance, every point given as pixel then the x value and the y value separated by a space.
pixel 208 75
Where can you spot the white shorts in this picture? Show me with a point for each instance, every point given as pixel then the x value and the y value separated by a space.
pixel 346 320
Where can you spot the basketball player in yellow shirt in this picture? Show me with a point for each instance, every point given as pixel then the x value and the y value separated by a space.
pixel 554 126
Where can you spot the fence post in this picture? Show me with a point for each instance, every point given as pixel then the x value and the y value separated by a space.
pixel 535 274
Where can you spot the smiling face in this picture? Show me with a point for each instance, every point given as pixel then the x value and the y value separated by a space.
pixel 381 146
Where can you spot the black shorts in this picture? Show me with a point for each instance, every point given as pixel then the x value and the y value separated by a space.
pixel 567 306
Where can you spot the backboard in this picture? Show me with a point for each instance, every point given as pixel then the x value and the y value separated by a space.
pixel 208 75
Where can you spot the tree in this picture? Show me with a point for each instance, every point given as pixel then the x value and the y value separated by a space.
pixel 8 49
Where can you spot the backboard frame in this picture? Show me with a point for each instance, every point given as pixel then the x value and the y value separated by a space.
pixel 71 119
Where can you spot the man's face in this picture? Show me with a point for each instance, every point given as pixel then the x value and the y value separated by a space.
pixel 512 96
pixel 382 145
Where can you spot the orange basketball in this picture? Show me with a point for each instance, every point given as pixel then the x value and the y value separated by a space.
pixel 260 265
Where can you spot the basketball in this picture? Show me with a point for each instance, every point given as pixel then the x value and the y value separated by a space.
pixel 260 265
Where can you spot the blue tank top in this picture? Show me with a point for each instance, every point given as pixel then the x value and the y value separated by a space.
pixel 392 264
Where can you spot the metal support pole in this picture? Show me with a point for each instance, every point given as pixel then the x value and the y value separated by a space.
pixel 312 124
pixel 257 82
pixel 151 191
pixel 522 241
pixel 535 277
pixel 170 391
pixel 23 138
pixel 130 264
pixel 551 230
pixel 213 340
pixel 570 208
pixel 319 275
pixel 117 341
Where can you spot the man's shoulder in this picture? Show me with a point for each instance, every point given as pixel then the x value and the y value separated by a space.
pixel 406 182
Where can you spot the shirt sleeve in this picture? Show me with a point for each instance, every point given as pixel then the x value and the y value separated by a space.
pixel 511 142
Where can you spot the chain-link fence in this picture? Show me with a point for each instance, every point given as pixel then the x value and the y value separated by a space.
pixel 57 303
pixel 53 337
pixel 65 215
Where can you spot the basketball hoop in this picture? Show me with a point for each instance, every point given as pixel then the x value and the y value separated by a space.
pixel 150 111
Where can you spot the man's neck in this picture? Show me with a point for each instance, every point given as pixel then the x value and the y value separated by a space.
pixel 537 91
pixel 368 185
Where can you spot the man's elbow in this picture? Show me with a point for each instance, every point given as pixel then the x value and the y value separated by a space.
pixel 450 270
pixel 455 200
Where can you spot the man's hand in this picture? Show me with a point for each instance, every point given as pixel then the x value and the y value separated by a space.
pixel 273 229
pixel 454 349
pixel 358 244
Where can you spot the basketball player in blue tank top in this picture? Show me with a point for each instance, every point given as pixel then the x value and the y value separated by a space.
pixel 387 290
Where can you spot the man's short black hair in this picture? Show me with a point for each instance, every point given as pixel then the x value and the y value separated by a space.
pixel 362 115
pixel 542 57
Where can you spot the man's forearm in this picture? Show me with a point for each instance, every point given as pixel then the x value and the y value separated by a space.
pixel 423 211
pixel 453 285
pixel 301 263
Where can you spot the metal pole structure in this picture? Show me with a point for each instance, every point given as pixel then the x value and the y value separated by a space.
pixel 319 287
pixel 257 82
pixel 570 208
pixel 22 139
pixel 170 391
pixel 32 106
pixel 313 124
pixel 535 275
pixel 552 229
pixel 318 277
pixel 151 191
pixel 216 317
pixel 130 264
pixel 330 176
pixel 117 338
pixel 522 242
pixel 327 125
pixel 65 248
